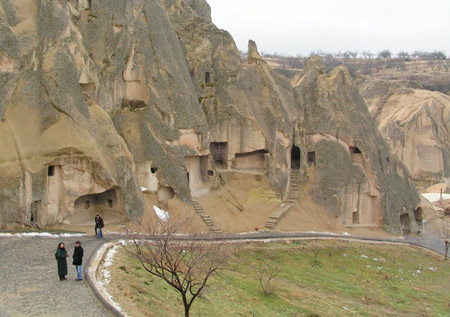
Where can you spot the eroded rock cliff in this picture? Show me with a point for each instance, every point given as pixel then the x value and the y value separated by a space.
pixel 101 100
pixel 416 125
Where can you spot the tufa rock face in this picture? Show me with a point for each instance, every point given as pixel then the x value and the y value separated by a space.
pixel 416 125
pixel 102 98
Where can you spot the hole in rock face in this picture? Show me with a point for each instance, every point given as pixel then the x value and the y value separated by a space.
pixel 295 157
pixel 51 171
pixel 355 150
pixel 311 158
pixel 210 173
pixel 219 152
pixel 154 170
pixel 418 215
pixel 110 203
pixel 355 219
pixel 87 204
pixel 250 160
pixel 207 78
pixel 405 223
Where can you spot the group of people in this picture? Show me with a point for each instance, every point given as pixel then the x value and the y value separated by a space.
pixel 61 254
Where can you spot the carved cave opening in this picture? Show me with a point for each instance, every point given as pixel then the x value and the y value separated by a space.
pixel 405 223
pixel 51 171
pixel 355 218
pixel 355 154
pixel 295 157
pixel 219 152
pixel 250 160
pixel 102 203
pixel 197 168
pixel 418 215
pixel 207 78
pixel 311 158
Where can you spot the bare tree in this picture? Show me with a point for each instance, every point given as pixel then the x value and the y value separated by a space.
pixel 185 264
pixel 266 275
pixel 367 54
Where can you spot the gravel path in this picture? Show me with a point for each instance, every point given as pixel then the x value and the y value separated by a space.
pixel 30 285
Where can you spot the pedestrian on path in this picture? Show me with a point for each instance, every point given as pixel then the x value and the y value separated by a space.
pixel 78 259
pixel 61 255
pixel 99 224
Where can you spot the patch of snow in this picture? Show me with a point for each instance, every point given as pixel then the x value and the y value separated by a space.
pixel 434 197
pixel 375 259
pixel 346 234
pixel 418 271
pixel 344 254
pixel 328 233
pixel 364 256
pixel 380 267
pixel 42 234
pixel 106 276
pixel 144 189
pixel 368 266
pixel 162 214
pixel 432 269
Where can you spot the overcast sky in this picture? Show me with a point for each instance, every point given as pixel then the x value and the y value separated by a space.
pixel 301 26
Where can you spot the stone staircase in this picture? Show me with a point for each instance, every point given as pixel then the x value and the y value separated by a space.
pixel 206 218
pixel 288 202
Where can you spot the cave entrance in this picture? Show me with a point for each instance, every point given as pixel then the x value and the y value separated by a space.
pixel 207 78
pixel 295 157
pixel 219 152
pixel 405 223
pixel 250 160
pixel 355 218
pixel 418 215
pixel 107 204
pixel 311 158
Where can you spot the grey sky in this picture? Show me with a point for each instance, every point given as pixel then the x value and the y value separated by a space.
pixel 299 26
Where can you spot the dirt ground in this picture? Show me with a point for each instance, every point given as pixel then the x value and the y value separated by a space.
pixel 242 204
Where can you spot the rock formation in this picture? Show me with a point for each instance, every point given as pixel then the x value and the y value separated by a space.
pixel 101 100
pixel 416 125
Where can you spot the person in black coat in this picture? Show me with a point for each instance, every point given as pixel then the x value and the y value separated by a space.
pixel 78 259
pixel 61 255
pixel 99 226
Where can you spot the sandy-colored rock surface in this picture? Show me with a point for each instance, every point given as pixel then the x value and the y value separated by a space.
pixel 416 125
pixel 105 102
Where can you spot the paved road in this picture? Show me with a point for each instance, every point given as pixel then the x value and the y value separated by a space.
pixel 29 283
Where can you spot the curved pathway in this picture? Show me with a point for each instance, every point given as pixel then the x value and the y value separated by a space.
pixel 30 285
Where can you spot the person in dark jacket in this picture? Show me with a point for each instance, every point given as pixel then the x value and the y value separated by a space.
pixel 78 259
pixel 99 226
pixel 61 255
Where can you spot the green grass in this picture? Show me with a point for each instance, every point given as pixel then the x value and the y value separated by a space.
pixel 349 279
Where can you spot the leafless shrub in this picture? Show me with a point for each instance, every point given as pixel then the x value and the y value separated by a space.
pixel 266 275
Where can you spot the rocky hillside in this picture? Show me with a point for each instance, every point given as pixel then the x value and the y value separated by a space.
pixel 103 100
pixel 416 125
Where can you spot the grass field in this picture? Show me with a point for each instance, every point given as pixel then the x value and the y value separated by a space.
pixel 346 279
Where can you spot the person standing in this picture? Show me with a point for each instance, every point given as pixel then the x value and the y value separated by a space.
pixel 78 259
pixel 61 255
pixel 99 224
